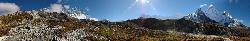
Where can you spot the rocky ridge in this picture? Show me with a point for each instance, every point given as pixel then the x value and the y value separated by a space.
pixel 50 26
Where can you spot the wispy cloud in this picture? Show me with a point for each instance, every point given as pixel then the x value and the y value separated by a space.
pixel 66 6
pixel 7 8
pixel 56 7
pixel 211 5
pixel 239 20
pixel 203 5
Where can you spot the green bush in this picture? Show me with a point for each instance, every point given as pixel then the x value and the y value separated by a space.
pixel 171 32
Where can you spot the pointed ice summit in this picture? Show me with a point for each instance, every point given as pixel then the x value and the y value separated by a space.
pixel 215 16
pixel 199 16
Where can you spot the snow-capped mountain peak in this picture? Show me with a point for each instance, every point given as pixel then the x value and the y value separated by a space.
pixel 198 16
pixel 215 16
pixel 221 17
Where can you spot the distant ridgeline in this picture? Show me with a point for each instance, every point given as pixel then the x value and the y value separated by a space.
pixel 50 26
pixel 212 15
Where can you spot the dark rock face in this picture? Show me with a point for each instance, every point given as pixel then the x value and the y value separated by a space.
pixel 183 25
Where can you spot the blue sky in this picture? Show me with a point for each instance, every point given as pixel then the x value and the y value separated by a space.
pixel 117 10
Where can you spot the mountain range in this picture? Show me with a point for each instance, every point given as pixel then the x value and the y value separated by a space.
pixel 214 16
pixel 211 25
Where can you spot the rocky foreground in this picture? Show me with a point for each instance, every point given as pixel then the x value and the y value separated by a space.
pixel 49 26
